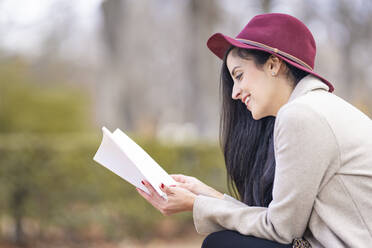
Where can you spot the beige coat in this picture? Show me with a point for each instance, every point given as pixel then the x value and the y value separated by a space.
pixel 323 180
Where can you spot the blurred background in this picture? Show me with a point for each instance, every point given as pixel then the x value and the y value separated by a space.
pixel 67 68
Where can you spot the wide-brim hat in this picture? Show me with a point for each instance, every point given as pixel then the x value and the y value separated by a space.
pixel 279 34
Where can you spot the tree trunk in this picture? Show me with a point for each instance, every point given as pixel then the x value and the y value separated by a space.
pixel 17 205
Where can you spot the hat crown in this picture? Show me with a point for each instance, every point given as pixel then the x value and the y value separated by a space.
pixel 283 32
pixel 279 34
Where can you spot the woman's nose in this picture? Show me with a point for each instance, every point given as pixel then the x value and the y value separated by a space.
pixel 236 92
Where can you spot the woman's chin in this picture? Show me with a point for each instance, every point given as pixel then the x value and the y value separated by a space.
pixel 257 116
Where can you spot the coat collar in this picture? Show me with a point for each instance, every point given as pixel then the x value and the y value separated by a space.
pixel 307 84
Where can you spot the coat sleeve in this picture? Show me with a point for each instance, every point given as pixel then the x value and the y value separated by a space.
pixel 304 148
pixel 232 199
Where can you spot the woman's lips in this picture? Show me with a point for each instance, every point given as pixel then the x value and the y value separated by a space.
pixel 246 99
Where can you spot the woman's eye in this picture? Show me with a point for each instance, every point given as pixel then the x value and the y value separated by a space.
pixel 238 77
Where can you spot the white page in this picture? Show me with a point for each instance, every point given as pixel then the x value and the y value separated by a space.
pixel 124 157
pixel 144 162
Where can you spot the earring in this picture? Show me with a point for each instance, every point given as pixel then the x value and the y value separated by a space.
pixel 273 74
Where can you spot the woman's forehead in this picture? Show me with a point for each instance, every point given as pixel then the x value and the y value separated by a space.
pixel 233 59
pixel 233 53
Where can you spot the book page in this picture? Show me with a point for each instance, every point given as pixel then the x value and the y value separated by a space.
pixel 144 162
pixel 124 157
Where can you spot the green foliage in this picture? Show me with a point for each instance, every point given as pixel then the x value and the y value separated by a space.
pixel 65 188
pixel 47 173
pixel 31 105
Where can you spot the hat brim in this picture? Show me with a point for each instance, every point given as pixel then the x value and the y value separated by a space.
pixel 219 43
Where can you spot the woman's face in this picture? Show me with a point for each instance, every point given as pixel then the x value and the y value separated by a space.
pixel 256 87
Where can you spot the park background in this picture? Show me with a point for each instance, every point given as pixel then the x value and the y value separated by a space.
pixel 67 68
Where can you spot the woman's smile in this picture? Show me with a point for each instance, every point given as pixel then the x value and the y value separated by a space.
pixel 246 99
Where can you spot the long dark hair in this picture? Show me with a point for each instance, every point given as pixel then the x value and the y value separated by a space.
pixel 247 144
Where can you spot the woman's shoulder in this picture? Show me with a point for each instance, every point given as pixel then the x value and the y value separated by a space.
pixel 319 104
pixel 306 115
pixel 304 108
pixel 320 113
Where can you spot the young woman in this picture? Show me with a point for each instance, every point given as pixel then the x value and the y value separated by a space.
pixel 299 157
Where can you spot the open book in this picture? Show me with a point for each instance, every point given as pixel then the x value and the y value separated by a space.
pixel 125 158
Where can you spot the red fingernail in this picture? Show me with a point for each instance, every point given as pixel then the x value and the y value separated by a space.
pixel 162 186
pixel 143 182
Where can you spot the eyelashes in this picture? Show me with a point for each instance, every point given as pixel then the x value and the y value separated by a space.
pixel 238 77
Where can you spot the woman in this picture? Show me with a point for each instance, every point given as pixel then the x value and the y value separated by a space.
pixel 299 157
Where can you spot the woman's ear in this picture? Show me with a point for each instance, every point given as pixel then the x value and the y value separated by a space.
pixel 274 64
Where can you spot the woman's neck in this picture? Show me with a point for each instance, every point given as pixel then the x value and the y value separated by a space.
pixel 285 89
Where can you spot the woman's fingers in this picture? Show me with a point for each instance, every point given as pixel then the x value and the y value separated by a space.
pixel 155 201
pixel 179 199
pixel 179 178
pixel 144 194
pixel 154 198
pixel 147 197
pixel 185 186
pixel 151 189
pixel 166 189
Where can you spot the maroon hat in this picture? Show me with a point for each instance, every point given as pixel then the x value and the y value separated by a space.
pixel 279 34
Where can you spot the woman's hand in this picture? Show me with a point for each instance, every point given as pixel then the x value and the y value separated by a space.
pixel 179 199
pixel 196 186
